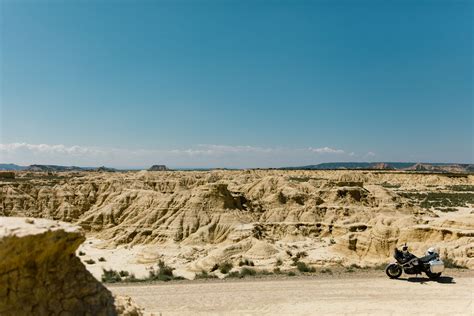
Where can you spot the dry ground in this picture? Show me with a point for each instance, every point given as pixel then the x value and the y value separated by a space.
pixel 347 295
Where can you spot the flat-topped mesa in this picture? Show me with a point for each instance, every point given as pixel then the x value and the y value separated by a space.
pixel 158 168
pixel 41 275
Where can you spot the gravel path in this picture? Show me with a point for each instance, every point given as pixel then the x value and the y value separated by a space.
pixel 326 296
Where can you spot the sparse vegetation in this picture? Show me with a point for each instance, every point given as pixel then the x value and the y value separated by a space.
pixel 303 267
pixel 225 267
pixel 295 261
pixel 440 199
pixel 205 275
pixel 390 185
pixel 461 188
pixel 258 231
pixel 164 272
pixel 110 276
pixel 449 263
pixel 279 262
pixel 247 272
pixel 447 209
pixel 350 269
pixel 326 270
pixel 299 179
pixel 380 266
pixel 234 274
pixel 246 262
pixel 301 254
pixel 276 270
pixel 291 273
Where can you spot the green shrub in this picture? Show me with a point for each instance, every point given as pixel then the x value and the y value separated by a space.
pixel 205 275
pixel 291 273
pixel 326 270
pixel 279 262
pixel 101 259
pixel 131 278
pixel 301 254
pixel 225 267
pixel 390 186
pixel 265 272
pixel 164 273
pixel 258 231
pixel 81 253
pixel 124 273
pixel 276 270
pixel 247 272
pixel 233 274
pixel 303 267
pixel 110 276
pixel 89 261
pixel 246 262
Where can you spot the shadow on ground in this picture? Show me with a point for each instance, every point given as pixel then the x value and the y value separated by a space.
pixel 442 279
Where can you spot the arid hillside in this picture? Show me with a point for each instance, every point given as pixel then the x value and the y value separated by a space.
pixel 196 219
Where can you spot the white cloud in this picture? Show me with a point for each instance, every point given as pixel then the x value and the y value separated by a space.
pixel 45 148
pixel 326 150
pixel 203 155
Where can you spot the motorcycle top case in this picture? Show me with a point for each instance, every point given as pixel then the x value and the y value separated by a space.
pixel 436 266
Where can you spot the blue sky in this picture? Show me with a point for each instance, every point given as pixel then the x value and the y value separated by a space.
pixel 235 83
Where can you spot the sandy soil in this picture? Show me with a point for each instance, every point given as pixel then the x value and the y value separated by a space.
pixel 350 295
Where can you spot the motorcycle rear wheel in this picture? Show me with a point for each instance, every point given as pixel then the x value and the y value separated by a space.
pixel 393 270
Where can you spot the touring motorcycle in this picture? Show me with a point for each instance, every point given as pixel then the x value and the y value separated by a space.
pixel 407 262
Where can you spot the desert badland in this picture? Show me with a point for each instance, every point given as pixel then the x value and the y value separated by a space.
pixel 204 224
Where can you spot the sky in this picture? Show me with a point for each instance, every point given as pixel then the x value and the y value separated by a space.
pixel 235 83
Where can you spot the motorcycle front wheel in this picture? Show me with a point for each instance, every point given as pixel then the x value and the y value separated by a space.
pixel 393 271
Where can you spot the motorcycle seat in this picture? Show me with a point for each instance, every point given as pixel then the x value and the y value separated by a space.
pixel 428 258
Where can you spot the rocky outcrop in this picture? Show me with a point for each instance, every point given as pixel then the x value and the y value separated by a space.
pixel 158 168
pixel 40 274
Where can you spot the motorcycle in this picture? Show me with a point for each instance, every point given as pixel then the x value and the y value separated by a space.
pixel 407 262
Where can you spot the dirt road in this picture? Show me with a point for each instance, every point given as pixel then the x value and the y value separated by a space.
pixel 340 296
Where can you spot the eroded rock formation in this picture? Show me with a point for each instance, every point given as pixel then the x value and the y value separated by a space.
pixel 40 274
pixel 358 216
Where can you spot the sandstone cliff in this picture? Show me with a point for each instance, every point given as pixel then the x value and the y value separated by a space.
pixel 40 274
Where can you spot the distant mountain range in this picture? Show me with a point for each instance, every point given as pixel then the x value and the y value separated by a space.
pixel 407 166
pixel 51 168
pixel 402 166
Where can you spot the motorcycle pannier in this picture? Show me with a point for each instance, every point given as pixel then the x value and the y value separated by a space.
pixel 436 266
